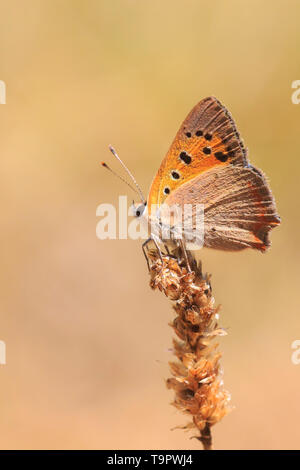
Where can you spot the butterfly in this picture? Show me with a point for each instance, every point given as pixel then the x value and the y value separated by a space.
pixel 207 165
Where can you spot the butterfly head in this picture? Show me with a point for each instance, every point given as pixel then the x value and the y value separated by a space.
pixel 138 209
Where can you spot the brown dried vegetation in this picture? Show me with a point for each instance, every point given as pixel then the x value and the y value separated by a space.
pixel 196 374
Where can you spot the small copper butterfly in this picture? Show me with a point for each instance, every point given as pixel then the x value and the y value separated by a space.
pixel 207 164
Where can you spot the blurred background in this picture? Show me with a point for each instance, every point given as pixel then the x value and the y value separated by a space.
pixel 87 340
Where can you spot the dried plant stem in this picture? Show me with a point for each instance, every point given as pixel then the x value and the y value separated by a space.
pixel 196 374
pixel 206 437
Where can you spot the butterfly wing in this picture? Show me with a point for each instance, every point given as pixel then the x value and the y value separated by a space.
pixel 207 138
pixel 239 209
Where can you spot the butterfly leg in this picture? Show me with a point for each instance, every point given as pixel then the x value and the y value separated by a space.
pixel 144 245
pixel 182 245
pixel 144 251
pixel 167 249
pixel 158 249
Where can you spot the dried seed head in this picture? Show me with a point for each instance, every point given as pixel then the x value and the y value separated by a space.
pixel 196 380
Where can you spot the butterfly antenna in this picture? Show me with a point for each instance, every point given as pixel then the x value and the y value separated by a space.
pixel 128 172
pixel 120 177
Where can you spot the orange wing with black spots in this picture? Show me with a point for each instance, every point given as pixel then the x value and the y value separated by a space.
pixel 207 138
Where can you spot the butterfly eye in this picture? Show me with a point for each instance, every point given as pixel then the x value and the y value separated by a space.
pixel 140 210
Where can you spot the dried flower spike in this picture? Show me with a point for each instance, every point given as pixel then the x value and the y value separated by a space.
pixel 196 375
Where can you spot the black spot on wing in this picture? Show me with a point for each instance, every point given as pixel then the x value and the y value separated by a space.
pixel 185 157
